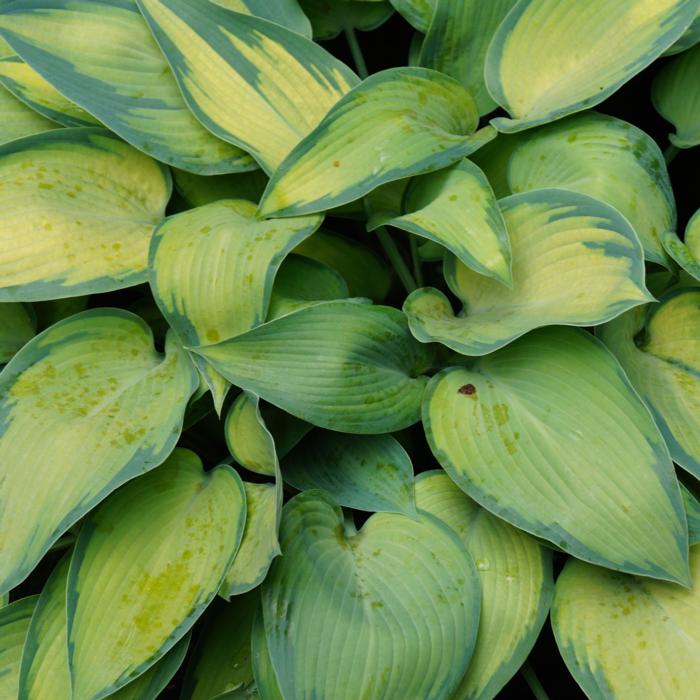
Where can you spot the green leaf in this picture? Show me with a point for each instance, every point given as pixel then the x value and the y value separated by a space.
pixel 330 17
pixel 549 58
pixel 249 81
pixel 17 327
pixel 628 637
pixel 284 12
pixel 365 272
pixel 247 437
pixel 79 207
pixel 198 190
pixel 167 540
pixel 686 253
pixel 221 660
pixel 100 55
pixel 417 12
pixel 265 678
pixel 516 584
pixel 605 158
pixel 391 611
pixel 576 261
pixel 14 623
pixel 457 39
pixel 692 511
pixel 372 369
pixel 396 123
pixel 689 38
pixel 549 434
pixel 93 386
pixel 457 208
pixel 366 472
pixel 676 96
pixel 30 87
pixel 18 120
pixel 658 346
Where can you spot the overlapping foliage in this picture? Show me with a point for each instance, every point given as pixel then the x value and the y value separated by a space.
pixel 322 385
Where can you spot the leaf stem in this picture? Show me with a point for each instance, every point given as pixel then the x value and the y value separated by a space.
pixel 670 153
pixel 533 681
pixel 356 52
pixel 415 258
pixel 396 259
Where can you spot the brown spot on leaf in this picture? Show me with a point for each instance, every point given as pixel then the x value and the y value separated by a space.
pixel 467 389
pixel 336 163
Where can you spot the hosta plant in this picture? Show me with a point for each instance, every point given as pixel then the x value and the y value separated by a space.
pixel 328 382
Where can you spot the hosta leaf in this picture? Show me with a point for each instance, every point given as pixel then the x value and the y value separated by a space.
pixel 494 159
pixel 221 659
pixel 247 437
pixel 167 540
pixel 303 281
pixel 79 207
pixel 417 12
pixel 30 87
pixel 689 38
pixel 330 17
pixel 265 678
pixel 516 584
pixel 391 611
pixel 101 55
pixel 659 348
pixel 686 253
pixel 17 120
pixel 605 158
pixel 550 58
pixel 249 81
pixel 676 96
pixel 549 434
pixel 576 261
pixel 365 272
pixel 396 123
pixel 457 40
pixel 692 511
pixel 372 369
pixel 626 637
pixel 284 12
pixel 17 326
pixel 456 208
pixel 366 472
pixel 93 386
pixel 14 623
pixel 198 190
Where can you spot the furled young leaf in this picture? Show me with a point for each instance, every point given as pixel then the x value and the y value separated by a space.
pixel 288 13
pixel 457 40
pixel 330 17
pixel 659 348
pixel 550 58
pixel 456 208
pixel 79 207
pixel 221 659
pixel 198 190
pixel 576 261
pixel 93 386
pixel 396 123
pixel 371 379
pixel 30 87
pixel 391 611
pixel 365 272
pixel 167 540
pixel 417 12
pixel 676 96
pixel 686 253
pixel 17 120
pixel 605 158
pixel 626 637
pixel 101 55
pixel 250 82
pixel 14 623
pixel 549 434
pixel 17 327
pixel 516 584
pixel 366 472
pixel 303 281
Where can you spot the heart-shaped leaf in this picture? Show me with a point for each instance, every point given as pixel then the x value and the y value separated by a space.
pixel 516 584
pixel 372 369
pixel 250 82
pixel 576 261
pixel 17 327
pixel 168 539
pixel 91 385
pixel 406 121
pixel 391 611
pixel 659 348
pixel 549 434
pixel 14 623
pixel 589 48
pixel 628 637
